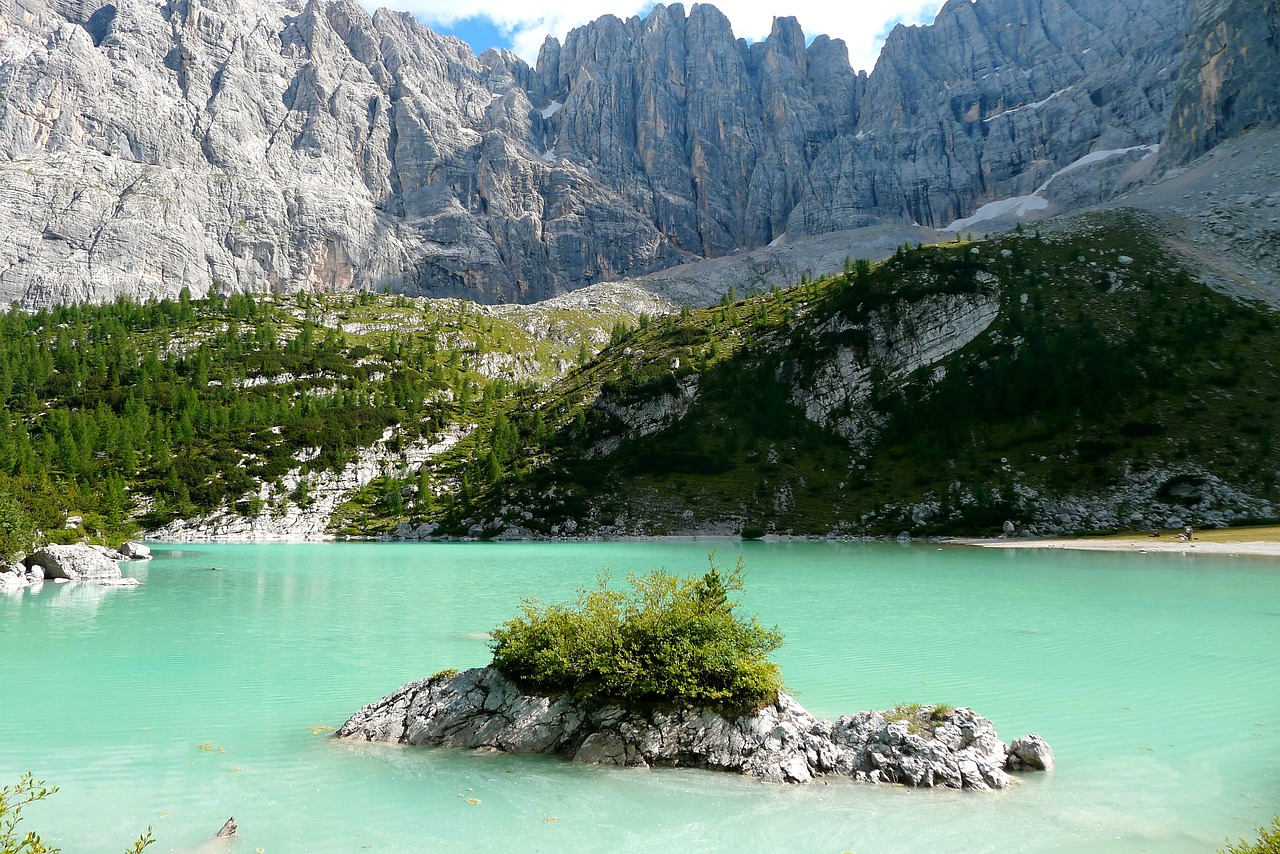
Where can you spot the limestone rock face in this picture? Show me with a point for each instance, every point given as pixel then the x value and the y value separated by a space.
pixel 896 343
pixel 74 563
pixel 1230 76
pixel 712 140
pixel 247 145
pixel 990 101
pixel 782 743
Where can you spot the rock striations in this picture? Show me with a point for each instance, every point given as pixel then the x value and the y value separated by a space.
pixel 246 145
pixel 990 102
pixel 1230 79
pixel 481 708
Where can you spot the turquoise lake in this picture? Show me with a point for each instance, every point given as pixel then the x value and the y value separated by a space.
pixel 204 694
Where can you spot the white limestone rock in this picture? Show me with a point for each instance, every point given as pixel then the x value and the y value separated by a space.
pixel 135 551
pixel 74 563
pixel 781 743
pixel 1031 753
pixel 12 578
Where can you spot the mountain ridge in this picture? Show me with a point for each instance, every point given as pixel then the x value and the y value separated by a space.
pixel 239 145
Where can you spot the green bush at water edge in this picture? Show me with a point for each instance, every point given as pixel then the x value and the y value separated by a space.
pixel 671 641
pixel 1268 841
pixel 29 790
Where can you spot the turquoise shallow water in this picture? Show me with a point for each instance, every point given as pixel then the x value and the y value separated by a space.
pixel 110 693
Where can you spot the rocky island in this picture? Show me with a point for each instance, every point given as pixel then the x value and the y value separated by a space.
pixel 669 674
pixel 917 746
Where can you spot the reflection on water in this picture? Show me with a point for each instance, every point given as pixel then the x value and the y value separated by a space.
pixel 82 598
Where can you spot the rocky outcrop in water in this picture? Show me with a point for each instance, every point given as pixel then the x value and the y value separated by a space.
pixel 97 565
pixel 246 145
pixel 481 708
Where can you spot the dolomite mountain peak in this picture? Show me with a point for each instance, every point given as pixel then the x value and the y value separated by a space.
pixel 148 146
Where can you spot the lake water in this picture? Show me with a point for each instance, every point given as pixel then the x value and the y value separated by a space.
pixel 204 694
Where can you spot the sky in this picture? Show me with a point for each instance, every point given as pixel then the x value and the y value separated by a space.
pixel 521 25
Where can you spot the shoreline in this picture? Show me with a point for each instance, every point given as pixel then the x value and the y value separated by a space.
pixel 1139 544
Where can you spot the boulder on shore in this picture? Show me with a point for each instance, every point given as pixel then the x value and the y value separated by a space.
pixel 74 562
pixel 135 551
pixel 16 576
pixel 482 708
pixel 12 578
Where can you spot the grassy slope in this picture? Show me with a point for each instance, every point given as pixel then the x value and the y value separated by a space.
pixel 1104 366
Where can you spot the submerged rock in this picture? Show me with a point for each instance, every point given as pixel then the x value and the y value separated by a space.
pixel 482 708
pixel 74 563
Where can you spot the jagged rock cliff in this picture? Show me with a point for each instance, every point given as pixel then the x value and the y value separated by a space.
pixel 245 145
pixel 1230 78
pixel 152 145
pixel 991 100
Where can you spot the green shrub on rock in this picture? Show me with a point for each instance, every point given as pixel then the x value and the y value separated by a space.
pixel 671 641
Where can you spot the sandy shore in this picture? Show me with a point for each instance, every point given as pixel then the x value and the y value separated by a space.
pixel 1265 548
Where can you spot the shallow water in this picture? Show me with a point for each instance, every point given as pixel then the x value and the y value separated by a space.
pixel 194 697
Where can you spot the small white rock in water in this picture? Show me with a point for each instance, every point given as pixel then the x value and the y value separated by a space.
pixel 1030 753
pixel 1125 260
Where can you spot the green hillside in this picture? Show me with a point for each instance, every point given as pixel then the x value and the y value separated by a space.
pixel 948 389
pixel 1092 372
pixel 127 416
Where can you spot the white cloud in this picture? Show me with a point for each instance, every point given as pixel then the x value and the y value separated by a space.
pixel 862 24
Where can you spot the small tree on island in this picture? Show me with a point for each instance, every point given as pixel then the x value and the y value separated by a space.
pixel 670 642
